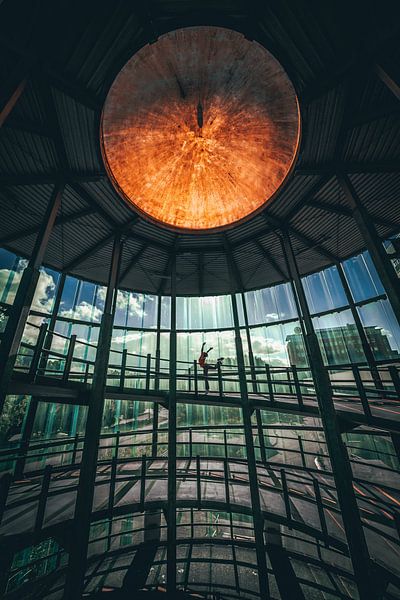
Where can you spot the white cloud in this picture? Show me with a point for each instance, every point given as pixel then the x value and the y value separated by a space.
pixel 83 312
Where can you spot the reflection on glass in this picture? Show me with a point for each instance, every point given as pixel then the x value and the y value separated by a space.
pixel 278 345
pixel 362 277
pixel 136 310
pixel 270 304
pixel 208 312
pixel 324 290
pixel 82 300
pixel 338 338
pixel 11 269
pixel 381 328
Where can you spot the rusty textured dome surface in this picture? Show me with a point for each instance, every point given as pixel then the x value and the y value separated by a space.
pixel 200 129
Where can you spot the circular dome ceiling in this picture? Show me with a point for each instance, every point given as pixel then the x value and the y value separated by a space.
pixel 200 129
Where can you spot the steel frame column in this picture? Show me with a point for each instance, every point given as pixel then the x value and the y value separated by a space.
pixel 341 468
pixel 83 508
pixel 258 518
pixel 171 511
pixel 26 290
pixel 374 245
pixel 154 438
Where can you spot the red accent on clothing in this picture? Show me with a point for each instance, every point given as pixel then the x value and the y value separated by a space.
pixel 202 359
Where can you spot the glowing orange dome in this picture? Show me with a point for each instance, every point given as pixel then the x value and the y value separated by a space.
pixel 200 129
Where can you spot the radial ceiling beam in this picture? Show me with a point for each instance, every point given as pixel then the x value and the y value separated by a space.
pixel 306 240
pixel 234 269
pixel 88 198
pixel 389 76
pixel 332 168
pixel 27 126
pixel 346 212
pixel 99 245
pixel 271 260
pixel 54 124
pixel 167 270
pixel 34 229
pixel 134 259
pixel 7 105
pixel 50 178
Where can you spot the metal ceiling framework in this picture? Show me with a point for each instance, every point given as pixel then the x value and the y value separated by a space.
pixel 50 106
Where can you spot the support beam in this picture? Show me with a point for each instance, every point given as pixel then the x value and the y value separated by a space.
pixel 171 511
pixel 332 168
pixel 374 245
pixel 87 476
pixel 19 312
pixel 389 77
pixel 49 178
pixel 346 212
pixel 99 245
pixel 135 258
pixel 271 260
pixel 341 469
pixel 7 105
pixel 258 520
pixel 34 229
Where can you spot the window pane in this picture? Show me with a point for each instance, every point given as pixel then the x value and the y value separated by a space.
pixel 209 312
pixel 270 304
pixel 324 290
pixel 362 277
pixel 338 338
pixel 11 271
pixel 381 328
pixel 278 345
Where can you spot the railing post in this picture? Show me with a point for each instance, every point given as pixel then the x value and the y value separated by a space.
pixel 286 498
pixel 189 379
pixel 261 439
pixel 123 369
pixel 195 378
pixel 361 392
pixel 220 382
pixel 394 375
pixel 303 458
pixel 148 369
pixel 75 449
pixel 113 480
pixel 190 443
pixel 116 449
pixel 25 437
pixel 226 481
pixel 198 482
pixel 269 383
pixel 33 369
pixel 154 434
pixel 5 481
pixel 142 483
pixel 318 499
pixel 297 386
pixel 43 498
pixel 69 358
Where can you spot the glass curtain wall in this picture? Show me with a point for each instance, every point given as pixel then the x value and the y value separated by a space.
pixel 269 322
